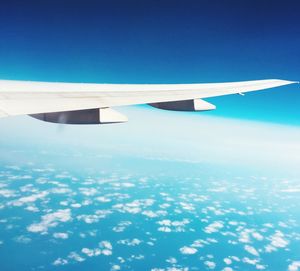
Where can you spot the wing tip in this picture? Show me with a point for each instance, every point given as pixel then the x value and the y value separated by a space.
pixel 293 82
pixel 286 82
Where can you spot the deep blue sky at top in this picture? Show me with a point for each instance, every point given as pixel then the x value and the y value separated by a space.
pixel 121 41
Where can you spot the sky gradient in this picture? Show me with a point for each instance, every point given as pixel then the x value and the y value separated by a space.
pixel 159 42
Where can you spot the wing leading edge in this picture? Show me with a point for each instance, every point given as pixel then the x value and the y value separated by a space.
pixel 26 97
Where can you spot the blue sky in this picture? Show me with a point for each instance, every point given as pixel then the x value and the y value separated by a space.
pixel 159 42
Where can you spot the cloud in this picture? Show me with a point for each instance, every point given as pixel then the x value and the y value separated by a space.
pixel 32 208
pixel 30 199
pixel 122 226
pixel 187 206
pixel 227 261
pixel 244 236
pixel 103 199
pixel 134 207
pixel 172 226
pixel 60 261
pixel 257 236
pixel 294 266
pixel 61 235
pixel 277 240
pixel 210 264
pixel 88 191
pixel 164 229
pixel 76 205
pixel 128 242
pixel 251 250
pixel 51 220
pixel 91 252
pixel 106 247
pixel 171 260
pixel 89 219
pixel 99 214
pixel 60 190
pixel 165 222
pixel 125 184
pixel 75 256
pixel 188 250
pixel 214 227
pixel 250 261
pixel 7 193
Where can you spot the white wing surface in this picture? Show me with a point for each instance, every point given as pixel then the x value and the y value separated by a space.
pixel 26 97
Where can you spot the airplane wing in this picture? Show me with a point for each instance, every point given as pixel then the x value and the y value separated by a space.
pixel 41 98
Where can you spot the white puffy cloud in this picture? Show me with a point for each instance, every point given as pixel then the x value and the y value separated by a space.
pixel 88 191
pixel 188 250
pixel 227 261
pixel 294 266
pixel 103 199
pixel 89 219
pixel 171 260
pixel 60 261
pixel 32 208
pixel 244 236
pixel 106 247
pixel 210 264
pixel 94 218
pixel 91 252
pixel 134 207
pixel 172 226
pixel 7 193
pixel 164 229
pixel 105 244
pixel 214 227
pixel 130 242
pixel 251 250
pixel 165 222
pixel 75 205
pixel 150 213
pixel 60 190
pixel 51 220
pixel 75 256
pixel 106 252
pixel 277 240
pixel 29 199
pixel 125 184
pixel 250 261
pixel 257 236
pixel 122 226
